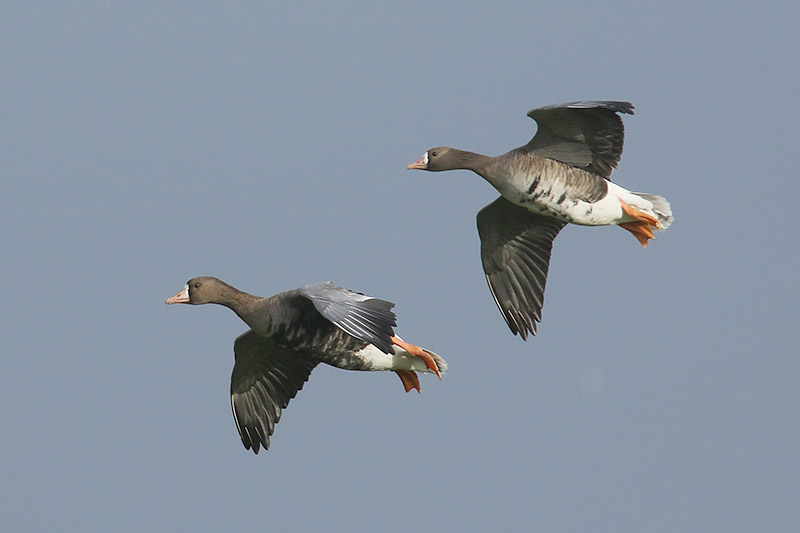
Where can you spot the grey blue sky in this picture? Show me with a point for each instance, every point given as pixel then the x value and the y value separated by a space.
pixel 144 143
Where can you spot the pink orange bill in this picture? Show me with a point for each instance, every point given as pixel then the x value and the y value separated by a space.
pixel 419 164
pixel 181 298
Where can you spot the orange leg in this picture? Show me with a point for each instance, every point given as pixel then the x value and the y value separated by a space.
pixel 418 351
pixel 409 379
pixel 642 228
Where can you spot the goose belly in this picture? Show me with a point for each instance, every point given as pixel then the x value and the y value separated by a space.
pixel 372 358
pixel 560 200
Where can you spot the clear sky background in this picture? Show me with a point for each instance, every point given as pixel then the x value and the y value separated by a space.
pixel 266 144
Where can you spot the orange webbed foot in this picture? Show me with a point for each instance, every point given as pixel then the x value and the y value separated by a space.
pixel 640 230
pixel 420 352
pixel 643 227
pixel 409 379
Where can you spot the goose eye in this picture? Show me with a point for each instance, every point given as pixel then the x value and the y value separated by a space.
pixel 434 153
pixel 196 284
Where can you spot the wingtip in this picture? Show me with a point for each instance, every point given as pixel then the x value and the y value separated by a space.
pixel 524 332
pixel 618 106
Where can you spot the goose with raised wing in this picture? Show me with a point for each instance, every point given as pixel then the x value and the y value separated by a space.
pixel 562 176
pixel 291 333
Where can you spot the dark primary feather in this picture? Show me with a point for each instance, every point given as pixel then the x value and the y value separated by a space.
pixel 265 377
pixel 587 135
pixel 515 251
pixel 365 318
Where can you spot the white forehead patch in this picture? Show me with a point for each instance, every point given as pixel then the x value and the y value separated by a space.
pixel 426 158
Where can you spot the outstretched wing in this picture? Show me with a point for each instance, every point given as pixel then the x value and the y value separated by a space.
pixel 365 318
pixel 515 251
pixel 587 135
pixel 265 377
